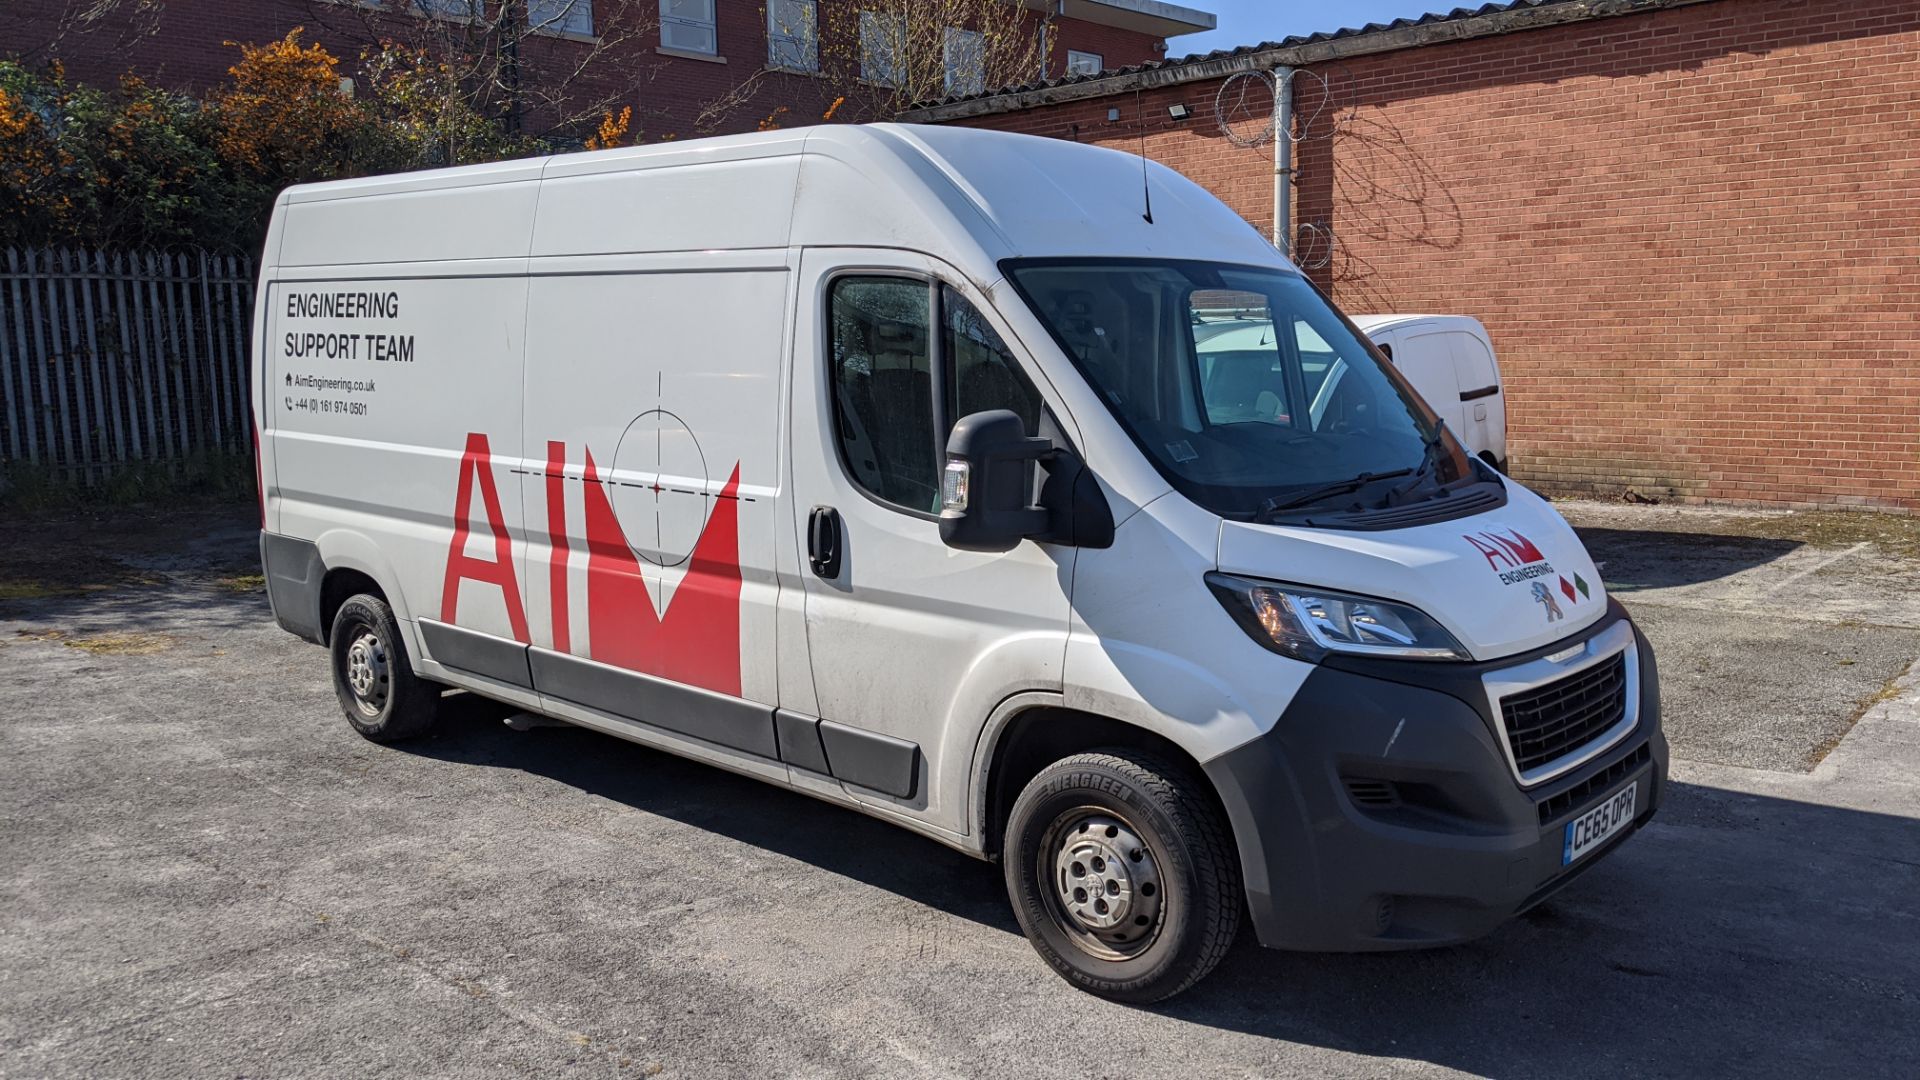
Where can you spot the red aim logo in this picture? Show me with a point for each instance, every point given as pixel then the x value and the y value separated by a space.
pixel 1508 552
pixel 696 640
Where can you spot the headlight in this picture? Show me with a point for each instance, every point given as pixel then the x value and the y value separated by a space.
pixel 1307 624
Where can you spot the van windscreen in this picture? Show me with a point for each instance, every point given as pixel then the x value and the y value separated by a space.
pixel 1247 390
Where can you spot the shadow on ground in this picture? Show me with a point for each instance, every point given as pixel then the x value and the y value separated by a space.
pixel 1709 943
pixel 1632 559
pixel 740 808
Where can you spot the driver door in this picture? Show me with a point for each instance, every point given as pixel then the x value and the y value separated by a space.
pixel 912 643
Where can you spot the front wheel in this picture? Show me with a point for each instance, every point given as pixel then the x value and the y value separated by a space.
pixel 382 697
pixel 1123 874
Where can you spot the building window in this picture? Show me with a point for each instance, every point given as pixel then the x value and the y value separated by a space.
pixel 1084 63
pixel 561 16
pixel 966 56
pixel 451 9
pixel 883 43
pixel 792 35
pixel 688 25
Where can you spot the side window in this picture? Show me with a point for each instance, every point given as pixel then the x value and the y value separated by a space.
pixel 980 373
pixel 882 372
pixel 886 362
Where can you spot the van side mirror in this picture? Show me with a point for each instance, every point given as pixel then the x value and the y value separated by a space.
pixel 988 481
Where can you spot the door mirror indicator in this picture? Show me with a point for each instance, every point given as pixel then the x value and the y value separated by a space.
pixel 987 487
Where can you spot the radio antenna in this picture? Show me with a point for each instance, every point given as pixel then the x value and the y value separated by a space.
pixel 1146 192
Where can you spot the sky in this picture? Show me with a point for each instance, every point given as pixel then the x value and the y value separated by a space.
pixel 1248 22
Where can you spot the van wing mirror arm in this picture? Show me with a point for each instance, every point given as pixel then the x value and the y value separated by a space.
pixel 1078 514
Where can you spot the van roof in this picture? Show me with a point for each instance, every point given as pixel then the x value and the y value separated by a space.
pixel 1370 323
pixel 954 191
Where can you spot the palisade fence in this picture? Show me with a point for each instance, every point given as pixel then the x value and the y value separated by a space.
pixel 116 358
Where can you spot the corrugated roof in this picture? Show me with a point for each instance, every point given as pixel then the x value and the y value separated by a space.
pixel 1590 8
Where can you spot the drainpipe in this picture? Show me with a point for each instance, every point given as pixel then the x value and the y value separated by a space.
pixel 1283 160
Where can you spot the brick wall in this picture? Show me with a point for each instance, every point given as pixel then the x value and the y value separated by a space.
pixel 181 46
pixel 1117 48
pixel 1693 233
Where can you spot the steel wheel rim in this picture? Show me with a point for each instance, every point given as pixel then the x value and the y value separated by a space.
pixel 368 674
pixel 1102 883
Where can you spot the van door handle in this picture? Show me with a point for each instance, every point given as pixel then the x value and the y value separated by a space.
pixel 823 541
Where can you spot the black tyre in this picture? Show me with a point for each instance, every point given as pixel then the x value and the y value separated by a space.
pixel 1123 874
pixel 382 697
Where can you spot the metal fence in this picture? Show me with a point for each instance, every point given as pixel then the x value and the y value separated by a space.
pixel 115 358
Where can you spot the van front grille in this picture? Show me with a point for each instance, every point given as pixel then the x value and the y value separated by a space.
pixel 1549 722
pixel 1573 797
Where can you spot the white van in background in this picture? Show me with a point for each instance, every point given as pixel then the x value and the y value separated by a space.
pixel 949 476
pixel 1450 360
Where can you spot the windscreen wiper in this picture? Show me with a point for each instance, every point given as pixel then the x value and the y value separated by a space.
pixel 1429 461
pixel 1339 487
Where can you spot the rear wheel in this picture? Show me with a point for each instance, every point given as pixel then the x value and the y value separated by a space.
pixel 382 697
pixel 1123 874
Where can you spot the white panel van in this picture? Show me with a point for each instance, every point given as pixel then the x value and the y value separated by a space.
pixel 1449 359
pixel 966 480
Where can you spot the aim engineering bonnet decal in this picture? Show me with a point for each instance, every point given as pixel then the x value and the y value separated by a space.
pixel 1518 560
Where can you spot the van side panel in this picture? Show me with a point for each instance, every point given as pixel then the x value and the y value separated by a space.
pixel 393 445
pixel 440 223
pixel 661 209
pixel 652 491
pixel 396 313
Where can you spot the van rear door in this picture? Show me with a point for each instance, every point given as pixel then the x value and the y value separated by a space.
pixel 1484 413
pixel 1424 355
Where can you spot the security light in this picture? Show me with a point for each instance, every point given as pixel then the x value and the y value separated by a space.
pixel 1179 112
pixel 1113 115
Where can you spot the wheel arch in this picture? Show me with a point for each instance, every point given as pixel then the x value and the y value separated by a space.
pixel 1037 732
pixel 341 584
pixel 355 565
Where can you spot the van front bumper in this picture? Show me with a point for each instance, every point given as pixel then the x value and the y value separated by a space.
pixel 1383 810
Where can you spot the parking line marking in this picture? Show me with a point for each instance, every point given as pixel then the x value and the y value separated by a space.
pixel 1815 568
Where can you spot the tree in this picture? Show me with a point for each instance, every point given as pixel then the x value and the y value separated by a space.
pixel 32 199
pixel 426 117
pixel 46 30
pixel 881 57
pixel 525 65
pixel 284 117
pixel 127 166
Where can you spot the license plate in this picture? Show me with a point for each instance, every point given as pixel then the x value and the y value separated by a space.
pixel 1591 829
